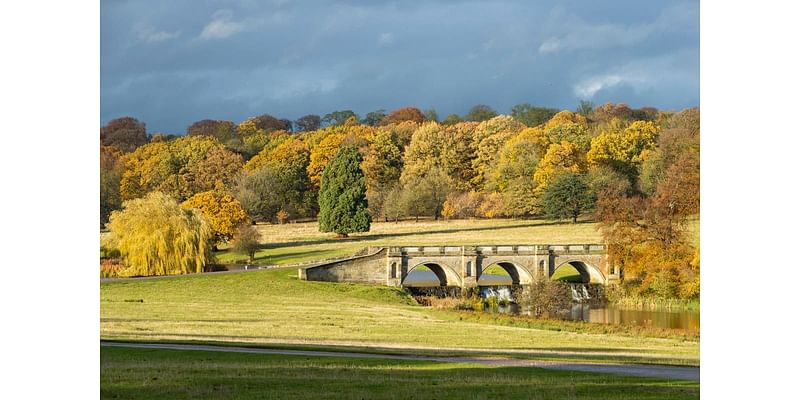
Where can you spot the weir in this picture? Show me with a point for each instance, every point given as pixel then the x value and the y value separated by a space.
pixel 463 266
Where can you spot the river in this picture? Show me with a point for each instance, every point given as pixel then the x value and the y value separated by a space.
pixel 595 313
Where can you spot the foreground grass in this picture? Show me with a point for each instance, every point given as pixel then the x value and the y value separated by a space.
pixel 272 307
pixel 170 374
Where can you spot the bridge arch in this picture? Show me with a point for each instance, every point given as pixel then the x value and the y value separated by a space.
pixel 519 275
pixel 588 272
pixel 447 276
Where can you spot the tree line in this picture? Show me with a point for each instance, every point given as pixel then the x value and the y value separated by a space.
pixel 635 170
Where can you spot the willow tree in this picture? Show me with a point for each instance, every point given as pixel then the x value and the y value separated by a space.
pixel 155 236
pixel 342 195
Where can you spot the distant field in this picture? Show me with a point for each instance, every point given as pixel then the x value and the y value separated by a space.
pixel 273 307
pixel 171 374
pixel 300 242
pixel 290 243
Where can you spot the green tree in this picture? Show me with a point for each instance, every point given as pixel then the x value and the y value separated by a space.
pixel 374 118
pixel 338 117
pixel 532 115
pixel 452 119
pixel 431 115
pixel 308 123
pixel 342 197
pixel 155 236
pixel 585 108
pixel 480 113
pixel 567 196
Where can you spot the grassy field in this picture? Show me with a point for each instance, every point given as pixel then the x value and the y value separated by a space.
pixel 273 307
pixel 170 374
pixel 299 242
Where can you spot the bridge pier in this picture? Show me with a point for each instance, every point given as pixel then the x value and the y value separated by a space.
pixel 470 267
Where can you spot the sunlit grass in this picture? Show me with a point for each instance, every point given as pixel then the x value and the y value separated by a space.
pixel 274 307
pixel 567 273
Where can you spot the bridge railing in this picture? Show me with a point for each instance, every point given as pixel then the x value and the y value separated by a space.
pixel 582 248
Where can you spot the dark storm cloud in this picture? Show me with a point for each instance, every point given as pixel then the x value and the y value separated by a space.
pixel 172 63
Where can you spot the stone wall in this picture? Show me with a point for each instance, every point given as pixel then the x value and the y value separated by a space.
pixel 370 268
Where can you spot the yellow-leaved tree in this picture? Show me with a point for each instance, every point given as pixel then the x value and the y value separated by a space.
pixel 222 210
pixel 624 150
pixel 560 157
pixel 155 236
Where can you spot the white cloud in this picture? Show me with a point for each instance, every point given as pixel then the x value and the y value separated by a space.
pixel 587 88
pixel 221 26
pixel 385 38
pixel 151 35
pixel 550 45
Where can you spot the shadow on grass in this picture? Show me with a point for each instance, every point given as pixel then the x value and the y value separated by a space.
pixel 165 374
pixel 566 353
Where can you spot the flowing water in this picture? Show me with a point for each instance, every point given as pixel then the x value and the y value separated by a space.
pixel 582 309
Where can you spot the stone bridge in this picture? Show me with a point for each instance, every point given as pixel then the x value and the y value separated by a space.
pixel 462 266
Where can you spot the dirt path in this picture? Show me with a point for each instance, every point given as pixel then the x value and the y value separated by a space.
pixel 652 371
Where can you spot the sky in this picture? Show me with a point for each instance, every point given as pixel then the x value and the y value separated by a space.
pixel 169 64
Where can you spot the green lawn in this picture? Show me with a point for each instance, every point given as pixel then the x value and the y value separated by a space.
pixel 273 307
pixel 171 374
pixel 566 273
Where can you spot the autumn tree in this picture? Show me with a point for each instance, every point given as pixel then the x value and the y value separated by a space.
pixel 567 196
pixel 342 197
pixel 275 182
pixel 219 165
pixel 426 194
pixel 125 133
pixel 247 241
pixel 624 150
pixel 445 147
pixel 381 166
pixel 168 167
pixel 487 140
pixel 404 114
pixel 155 236
pixel 532 115
pixel 110 174
pixel 513 176
pixel 308 123
pixel 222 130
pixel 480 113
pixel 222 210
pixel 332 139
pixel 560 157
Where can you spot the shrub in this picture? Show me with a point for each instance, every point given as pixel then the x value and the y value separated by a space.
pixel 545 298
